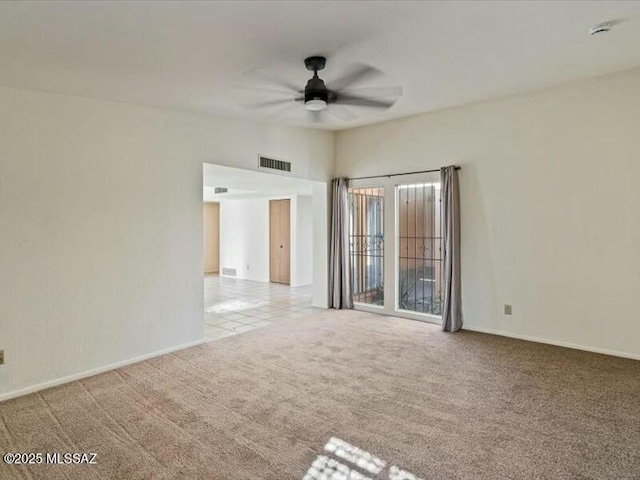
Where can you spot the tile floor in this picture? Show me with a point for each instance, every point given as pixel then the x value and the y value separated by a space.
pixel 233 306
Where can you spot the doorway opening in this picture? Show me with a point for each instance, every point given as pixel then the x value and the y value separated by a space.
pixel 270 248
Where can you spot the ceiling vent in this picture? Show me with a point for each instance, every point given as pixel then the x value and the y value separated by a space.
pixel 273 164
pixel 218 190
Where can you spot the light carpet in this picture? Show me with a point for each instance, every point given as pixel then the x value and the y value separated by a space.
pixel 262 405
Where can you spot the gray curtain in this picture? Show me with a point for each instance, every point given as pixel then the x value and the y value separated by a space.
pixel 340 294
pixel 452 302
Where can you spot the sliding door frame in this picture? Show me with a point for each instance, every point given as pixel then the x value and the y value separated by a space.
pixel 391 244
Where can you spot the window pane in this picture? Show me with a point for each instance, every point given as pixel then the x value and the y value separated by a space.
pixel 419 248
pixel 366 238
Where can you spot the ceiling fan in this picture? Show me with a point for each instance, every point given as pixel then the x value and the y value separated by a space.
pixel 318 97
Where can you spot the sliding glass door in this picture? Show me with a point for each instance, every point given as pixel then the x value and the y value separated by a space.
pixel 366 242
pixel 397 271
pixel 419 249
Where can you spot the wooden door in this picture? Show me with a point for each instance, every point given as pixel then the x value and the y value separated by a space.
pixel 211 237
pixel 279 241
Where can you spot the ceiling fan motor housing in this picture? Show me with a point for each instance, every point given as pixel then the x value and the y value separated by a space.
pixel 316 90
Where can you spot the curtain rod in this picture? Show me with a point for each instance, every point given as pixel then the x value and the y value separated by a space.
pixel 398 174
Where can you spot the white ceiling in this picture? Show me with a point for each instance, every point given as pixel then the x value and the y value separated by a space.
pixel 194 55
pixel 249 184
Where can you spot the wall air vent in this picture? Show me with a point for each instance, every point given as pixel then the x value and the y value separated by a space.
pixel 273 164
pixel 218 190
pixel 229 271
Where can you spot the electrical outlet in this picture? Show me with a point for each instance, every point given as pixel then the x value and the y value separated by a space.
pixel 1 357
pixel 507 309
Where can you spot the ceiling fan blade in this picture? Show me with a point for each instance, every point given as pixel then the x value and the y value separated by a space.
pixel 373 92
pixel 356 101
pixel 284 111
pixel 271 103
pixel 291 87
pixel 341 112
pixel 276 91
pixel 358 75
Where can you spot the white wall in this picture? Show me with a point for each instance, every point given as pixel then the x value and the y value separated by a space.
pixel 550 206
pixel 304 242
pixel 244 238
pixel 101 226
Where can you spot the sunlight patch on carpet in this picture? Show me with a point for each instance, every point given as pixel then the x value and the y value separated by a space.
pixel 353 463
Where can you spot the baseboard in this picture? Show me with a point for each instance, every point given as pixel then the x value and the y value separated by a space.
pixel 557 343
pixel 95 371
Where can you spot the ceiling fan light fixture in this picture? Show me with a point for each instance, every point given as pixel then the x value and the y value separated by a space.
pixel 315 104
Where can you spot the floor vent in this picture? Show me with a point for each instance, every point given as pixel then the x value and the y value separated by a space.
pixel 273 164
pixel 229 271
